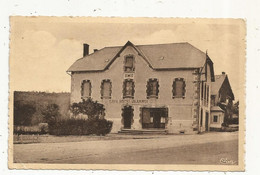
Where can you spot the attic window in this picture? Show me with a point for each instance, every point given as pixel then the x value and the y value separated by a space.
pixel 129 63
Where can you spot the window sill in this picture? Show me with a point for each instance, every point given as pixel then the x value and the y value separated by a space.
pixel 128 97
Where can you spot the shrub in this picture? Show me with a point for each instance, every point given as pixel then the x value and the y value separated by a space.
pixel 81 127
pixel 42 128
pixel 51 114
pixel 23 113
pixel 92 109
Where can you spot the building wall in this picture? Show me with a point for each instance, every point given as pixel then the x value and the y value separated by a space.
pixel 220 119
pixel 182 112
pixel 204 107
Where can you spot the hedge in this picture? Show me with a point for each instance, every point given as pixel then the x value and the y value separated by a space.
pixel 81 127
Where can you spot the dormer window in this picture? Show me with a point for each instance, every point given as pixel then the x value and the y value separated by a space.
pixel 129 63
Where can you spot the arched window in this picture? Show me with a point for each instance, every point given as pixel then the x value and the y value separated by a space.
pixel 178 88
pixel 152 88
pixel 106 89
pixel 86 89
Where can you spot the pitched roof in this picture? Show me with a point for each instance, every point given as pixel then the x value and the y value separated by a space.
pixel 215 86
pixel 158 56
pixel 216 108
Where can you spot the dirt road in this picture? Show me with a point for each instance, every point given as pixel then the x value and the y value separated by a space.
pixel 209 148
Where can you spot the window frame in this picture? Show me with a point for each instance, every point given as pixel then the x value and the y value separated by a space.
pixel 133 68
pixel 124 88
pixel 148 91
pixel 102 89
pixel 174 88
pixel 214 118
pixel 83 96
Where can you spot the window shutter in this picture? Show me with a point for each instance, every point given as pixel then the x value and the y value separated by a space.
pixel 183 89
pixel 157 88
pixel 174 89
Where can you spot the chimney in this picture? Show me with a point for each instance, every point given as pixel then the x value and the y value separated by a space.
pixel 95 50
pixel 85 49
pixel 223 73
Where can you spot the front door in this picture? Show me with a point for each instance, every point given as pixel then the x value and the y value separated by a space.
pixel 127 116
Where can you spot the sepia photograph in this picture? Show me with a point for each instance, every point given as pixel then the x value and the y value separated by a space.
pixel 127 93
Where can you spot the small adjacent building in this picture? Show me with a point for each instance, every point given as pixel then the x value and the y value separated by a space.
pixel 163 87
pixel 221 101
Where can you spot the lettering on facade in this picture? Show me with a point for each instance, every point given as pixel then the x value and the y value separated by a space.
pixel 129 101
pixel 128 75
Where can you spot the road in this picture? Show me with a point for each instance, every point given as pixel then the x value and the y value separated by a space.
pixel 207 148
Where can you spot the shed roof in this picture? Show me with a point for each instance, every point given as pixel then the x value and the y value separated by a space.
pixel 158 56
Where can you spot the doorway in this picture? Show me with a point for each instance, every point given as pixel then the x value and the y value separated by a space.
pixel 127 116
pixel 154 117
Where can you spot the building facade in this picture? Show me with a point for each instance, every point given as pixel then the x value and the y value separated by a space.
pixel 222 98
pixel 147 87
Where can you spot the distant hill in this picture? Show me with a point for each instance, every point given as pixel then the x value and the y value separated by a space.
pixel 41 99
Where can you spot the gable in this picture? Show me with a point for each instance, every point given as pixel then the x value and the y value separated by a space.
pixel 221 82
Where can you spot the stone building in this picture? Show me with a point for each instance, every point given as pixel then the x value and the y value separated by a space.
pixel 161 87
pixel 221 101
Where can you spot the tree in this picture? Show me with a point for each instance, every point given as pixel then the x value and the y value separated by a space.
pixel 51 113
pixel 23 113
pixel 92 109
pixel 235 108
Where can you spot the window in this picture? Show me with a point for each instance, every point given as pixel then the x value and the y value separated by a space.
pixel 215 118
pixel 205 91
pixel 129 63
pixel 178 88
pixel 128 88
pixel 207 94
pixel 106 89
pixel 86 89
pixel 202 91
pixel 152 88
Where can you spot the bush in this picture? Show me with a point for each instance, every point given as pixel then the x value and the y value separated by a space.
pixel 92 109
pixel 81 127
pixel 23 113
pixel 42 128
pixel 51 113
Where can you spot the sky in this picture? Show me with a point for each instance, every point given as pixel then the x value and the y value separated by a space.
pixel 43 48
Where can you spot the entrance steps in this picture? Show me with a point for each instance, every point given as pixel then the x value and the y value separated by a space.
pixel 142 131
